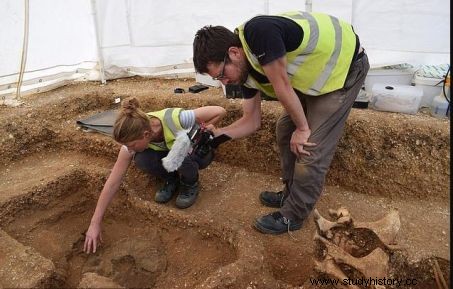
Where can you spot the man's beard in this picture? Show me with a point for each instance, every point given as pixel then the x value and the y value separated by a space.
pixel 244 74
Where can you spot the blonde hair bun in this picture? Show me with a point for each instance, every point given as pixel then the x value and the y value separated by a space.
pixel 130 105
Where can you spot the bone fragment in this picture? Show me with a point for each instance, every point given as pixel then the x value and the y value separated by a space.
pixel 345 220
pixel 325 226
pixel 329 267
pixel 386 228
pixel 341 212
pixel 441 276
pixel 374 265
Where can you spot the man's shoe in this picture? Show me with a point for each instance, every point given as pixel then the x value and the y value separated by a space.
pixel 187 196
pixel 272 199
pixel 166 192
pixel 275 223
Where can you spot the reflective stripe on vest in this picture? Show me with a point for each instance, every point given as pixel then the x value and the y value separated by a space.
pixel 321 62
pixel 169 118
pixel 311 45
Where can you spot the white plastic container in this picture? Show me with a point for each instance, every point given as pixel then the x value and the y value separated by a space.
pixel 389 76
pixel 431 87
pixel 396 98
pixel 439 107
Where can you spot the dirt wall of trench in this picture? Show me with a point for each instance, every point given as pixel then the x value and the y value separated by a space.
pixel 411 153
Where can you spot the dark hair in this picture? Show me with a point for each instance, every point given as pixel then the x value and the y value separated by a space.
pixel 210 45
pixel 131 122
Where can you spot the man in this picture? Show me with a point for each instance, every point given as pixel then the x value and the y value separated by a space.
pixel 314 65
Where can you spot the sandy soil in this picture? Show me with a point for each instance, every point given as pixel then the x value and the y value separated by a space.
pixel 52 172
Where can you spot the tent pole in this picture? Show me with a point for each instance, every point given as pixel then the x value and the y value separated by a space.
pixel 352 12
pixel 98 41
pixel 23 60
pixel 308 7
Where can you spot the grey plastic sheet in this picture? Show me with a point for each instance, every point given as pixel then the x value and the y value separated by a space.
pixel 101 122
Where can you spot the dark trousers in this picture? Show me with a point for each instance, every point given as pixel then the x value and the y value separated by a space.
pixel 150 162
pixel 326 115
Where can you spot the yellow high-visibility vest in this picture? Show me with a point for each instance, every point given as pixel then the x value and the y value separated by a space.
pixel 321 62
pixel 169 118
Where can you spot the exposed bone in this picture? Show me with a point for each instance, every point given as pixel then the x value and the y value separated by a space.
pixel 439 273
pixel 374 265
pixel 329 267
pixel 346 220
pixel 437 278
pixel 340 245
pixel 386 228
pixel 393 247
pixel 325 226
pixel 341 212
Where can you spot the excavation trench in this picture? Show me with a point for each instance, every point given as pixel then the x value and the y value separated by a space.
pixel 138 250
pixel 53 172
pixel 147 245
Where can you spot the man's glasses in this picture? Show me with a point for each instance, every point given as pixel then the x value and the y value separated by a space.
pixel 221 74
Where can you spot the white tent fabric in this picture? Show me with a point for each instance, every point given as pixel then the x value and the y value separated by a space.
pixel 147 35
pixel 59 40
pixel 416 32
pixel 89 39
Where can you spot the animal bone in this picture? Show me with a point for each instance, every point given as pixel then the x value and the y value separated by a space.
pixel 325 226
pixel 341 215
pixel 341 212
pixel 374 265
pixel 346 220
pixel 329 267
pixel 440 275
pixel 386 228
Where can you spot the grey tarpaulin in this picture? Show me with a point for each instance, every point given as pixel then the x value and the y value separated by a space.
pixel 100 122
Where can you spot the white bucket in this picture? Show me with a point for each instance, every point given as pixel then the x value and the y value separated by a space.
pixel 431 88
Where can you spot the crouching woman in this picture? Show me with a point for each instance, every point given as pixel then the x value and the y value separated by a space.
pixel 147 138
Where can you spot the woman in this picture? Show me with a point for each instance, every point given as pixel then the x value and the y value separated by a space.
pixel 147 138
